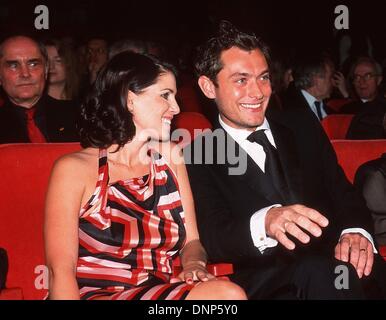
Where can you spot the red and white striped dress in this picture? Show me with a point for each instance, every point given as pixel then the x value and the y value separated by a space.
pixel 129 232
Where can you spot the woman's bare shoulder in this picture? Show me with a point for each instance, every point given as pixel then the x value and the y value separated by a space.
pixel 78 161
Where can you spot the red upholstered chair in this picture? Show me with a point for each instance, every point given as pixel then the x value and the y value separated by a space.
pixel 25 170
pixel 193 122
pixel 336 125
pixel 188 97
pixel 352 153
pixel 337 104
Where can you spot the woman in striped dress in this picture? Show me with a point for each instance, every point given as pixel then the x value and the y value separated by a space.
pixel 120 211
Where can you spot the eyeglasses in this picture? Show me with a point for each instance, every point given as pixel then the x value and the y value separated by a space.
pixel 96 51
pixel 365 77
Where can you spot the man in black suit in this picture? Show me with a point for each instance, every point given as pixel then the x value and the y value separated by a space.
pixel 29 115
pixel 313 83
pixel 282 221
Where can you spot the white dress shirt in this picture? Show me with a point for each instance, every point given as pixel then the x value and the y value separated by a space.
pixel 256 152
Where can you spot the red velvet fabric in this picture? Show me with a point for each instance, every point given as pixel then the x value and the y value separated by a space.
pixel 190 121
pixel 337 104
pixel 336 125
pixel 25 170
pixel 352 153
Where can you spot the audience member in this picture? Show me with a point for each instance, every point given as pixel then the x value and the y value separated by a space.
pixel 366 76
pixel 312 84
pixel 97 54
pixel 29 115
pixel 63 73
pixel 370 179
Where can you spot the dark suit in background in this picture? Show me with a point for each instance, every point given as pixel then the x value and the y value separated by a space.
pixel 368 123
pixel 370 179
pixel 56 119
pixel 294 99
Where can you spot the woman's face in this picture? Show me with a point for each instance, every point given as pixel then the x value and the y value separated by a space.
pixel 154 108
pixel 56 71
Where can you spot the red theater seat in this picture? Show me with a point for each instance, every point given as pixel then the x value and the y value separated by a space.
pixel 25 170
pixel 336 125
pixel 352 153
pixel 193 122
pixel 337 104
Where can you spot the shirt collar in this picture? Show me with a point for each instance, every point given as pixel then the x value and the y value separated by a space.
pixel 310 98
pixel 240 135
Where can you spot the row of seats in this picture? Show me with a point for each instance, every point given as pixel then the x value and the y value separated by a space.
pixel 25 173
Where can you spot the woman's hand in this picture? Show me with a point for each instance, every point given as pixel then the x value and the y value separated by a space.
pixel 194 271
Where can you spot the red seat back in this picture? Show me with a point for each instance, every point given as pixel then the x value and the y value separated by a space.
pixel 352 153
pixel 193 122
pixel 25 169
pixel 337 104
pixel 187 95
pixel 336 125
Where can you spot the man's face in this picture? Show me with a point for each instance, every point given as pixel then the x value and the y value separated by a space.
pixel 244 88
pixel 97 52
pixel 366 81
pixel 22 71
pixel 323 83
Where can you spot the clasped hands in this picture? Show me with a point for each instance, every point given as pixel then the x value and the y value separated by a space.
pixel 352 247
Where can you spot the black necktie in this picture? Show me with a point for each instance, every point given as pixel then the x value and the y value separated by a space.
pixel 318 106
pixel 272 166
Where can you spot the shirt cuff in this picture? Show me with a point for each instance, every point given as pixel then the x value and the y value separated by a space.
pixel 257 228
pixel 363 232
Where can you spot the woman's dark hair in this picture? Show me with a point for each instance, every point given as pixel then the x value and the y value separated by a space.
pixel 105 118
pixel 208 58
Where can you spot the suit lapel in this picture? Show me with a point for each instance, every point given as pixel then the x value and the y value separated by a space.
pixel 253 177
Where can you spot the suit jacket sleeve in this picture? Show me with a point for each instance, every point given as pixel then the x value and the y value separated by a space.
pixel 224 233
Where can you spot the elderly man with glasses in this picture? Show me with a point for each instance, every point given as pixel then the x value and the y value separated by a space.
pixel 366 75
pixel 370 108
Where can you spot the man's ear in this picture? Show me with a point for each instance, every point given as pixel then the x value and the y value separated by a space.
pixel 380 78
pixel 207 87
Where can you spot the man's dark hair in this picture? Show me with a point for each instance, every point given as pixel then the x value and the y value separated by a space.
pixel 208 59
pixel 307 67
pixel 105 118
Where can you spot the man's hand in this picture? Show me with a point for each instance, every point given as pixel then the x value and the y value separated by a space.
pixel 357 249
pixel 339 82
pixel 282 220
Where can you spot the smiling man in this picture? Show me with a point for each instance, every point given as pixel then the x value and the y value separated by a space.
pixel 292 217
pixel 28 114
